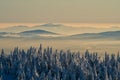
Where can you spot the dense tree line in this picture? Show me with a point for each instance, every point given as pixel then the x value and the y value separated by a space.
pixel 46 64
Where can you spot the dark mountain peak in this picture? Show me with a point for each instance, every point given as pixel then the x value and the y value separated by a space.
pixel 37 32
pixel 3 32
pixel 101 35
pixel 51 25
pixel 111 33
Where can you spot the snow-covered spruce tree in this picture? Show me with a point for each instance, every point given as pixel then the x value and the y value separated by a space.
pixel 46 64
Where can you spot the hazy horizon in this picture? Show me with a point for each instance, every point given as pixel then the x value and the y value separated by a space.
pixel 90 25
pixel 99 45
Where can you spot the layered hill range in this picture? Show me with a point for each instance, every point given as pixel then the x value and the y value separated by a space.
pixel 59 31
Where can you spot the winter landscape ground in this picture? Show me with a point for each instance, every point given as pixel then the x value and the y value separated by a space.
pixel 49 64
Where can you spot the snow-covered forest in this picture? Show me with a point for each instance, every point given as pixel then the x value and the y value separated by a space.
pixel 46 64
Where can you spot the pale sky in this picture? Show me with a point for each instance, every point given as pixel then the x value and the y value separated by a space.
pixel 63 11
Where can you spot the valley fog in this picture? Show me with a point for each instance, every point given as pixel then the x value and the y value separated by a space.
pixel 99 46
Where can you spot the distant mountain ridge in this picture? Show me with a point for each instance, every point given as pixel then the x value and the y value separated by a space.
pixel 102 35
pixel 51 25
pixel 25 31
pixel 29 33
pixel 37 32
pixel 57 28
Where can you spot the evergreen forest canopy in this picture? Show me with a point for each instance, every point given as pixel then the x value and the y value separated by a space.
pixel 46 64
